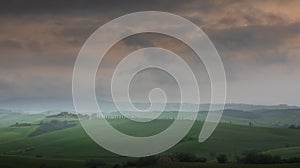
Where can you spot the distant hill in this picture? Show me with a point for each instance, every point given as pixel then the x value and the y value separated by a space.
pixel 38 106
pixel 3 111
pixel 259 115
pixel 266 118
pixel 110 107
pixel 252 107
pixel 8 118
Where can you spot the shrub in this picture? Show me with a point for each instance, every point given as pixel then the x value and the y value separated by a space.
pixel 185 157
pixel 116 166
pixel 94 163
pixel 292 160
pixel 38 155
pixel 166 159
pixel 258 158
pixel 201 159
pixel 222 158
pixel 130 164
pixel 188 157
pixel 146 161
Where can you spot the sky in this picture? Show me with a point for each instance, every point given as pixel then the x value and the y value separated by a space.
pixel 258 42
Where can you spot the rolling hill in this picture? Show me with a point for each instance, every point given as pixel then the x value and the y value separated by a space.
pixel 71 145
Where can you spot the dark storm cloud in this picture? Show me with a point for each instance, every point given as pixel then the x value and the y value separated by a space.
pixel 139 40
pixel 254 41
pixel 78 33
pixel 10 44
pixel 5 85
pixel 15 7
pixel 110 7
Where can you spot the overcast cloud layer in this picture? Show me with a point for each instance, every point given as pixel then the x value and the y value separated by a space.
pixel 258 41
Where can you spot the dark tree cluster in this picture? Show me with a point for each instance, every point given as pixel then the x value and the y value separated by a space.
pixel 21 124
pixel 141 162
pixel 166 159
pixel 94 163
pixel 294 126
pixel 63 115
pixel 222 158
pixel 260 158
pixel 51 126
pixel 188 157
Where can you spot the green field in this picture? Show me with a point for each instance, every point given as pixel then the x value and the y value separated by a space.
pixel 285 152
pixel 71 147
pixel 31 162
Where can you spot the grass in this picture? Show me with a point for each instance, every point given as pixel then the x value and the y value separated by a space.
pixel 73 146
pixel 30 162
pixel 285 152
pixel 227 165
pixel 227 138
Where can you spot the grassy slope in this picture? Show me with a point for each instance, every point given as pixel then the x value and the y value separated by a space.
pixel 265 118
pixel 281 117
pixel 74 143
pixel 285 152
pixel 10 119
pixel 71 146
pixel 234 140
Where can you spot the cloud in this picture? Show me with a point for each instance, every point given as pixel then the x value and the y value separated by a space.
pixel 256 46
pixel 39 42
pixel 11 44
